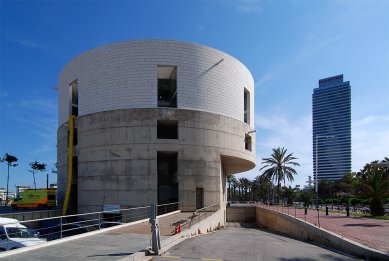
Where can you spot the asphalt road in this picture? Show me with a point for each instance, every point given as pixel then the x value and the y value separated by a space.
pixel 237 243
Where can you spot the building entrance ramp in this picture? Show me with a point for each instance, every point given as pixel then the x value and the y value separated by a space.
pixel 113 243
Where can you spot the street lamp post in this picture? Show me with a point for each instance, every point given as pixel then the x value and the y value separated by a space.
pixel 316 163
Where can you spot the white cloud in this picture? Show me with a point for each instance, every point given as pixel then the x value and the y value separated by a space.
pixel 277 130
pixel 370 140
pixel 311 44
pixel 37 104
pixel 29 44
pixel 40 118
pixel 249 6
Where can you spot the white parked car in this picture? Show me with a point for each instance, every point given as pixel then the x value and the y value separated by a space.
pixel 14 235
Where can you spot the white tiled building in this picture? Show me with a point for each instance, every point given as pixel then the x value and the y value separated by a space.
pixel 157 121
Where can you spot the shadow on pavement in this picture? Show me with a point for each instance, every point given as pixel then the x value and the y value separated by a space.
pixel 114 254
pixel 362 225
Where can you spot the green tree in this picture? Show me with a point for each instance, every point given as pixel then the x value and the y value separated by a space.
pixel 9 160
pixel 289 194
pixel 306 196
pixel 261 187
pixel 231 179
pixel 373 184
pixel 235 184
pixel 36 167
pixel 245 184
pixel 327 188
pixel 278 167
pixel 310 182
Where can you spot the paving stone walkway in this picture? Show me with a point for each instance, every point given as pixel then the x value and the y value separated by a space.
pixel 368 231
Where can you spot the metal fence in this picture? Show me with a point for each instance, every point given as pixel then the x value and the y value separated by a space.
pixel 64 226
pixel 199 215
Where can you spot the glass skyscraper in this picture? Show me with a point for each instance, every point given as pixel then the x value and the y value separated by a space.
pixel 331 132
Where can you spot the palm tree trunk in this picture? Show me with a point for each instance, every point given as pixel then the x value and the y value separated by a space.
pixel 33 174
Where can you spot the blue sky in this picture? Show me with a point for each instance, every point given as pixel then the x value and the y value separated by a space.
pixel 287 45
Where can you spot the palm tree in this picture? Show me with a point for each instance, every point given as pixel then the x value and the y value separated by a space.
pixel 373 184
pixel 35 167
pixel 9 159
pixel 235 184
pixel 230 180
pixel 261 187
pixel 240 188
pixel 278 167
pixel 245 184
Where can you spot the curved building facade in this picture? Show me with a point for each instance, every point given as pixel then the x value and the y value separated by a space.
pixel 156 121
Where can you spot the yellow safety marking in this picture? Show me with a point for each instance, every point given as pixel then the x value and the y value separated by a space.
pixel 211 259
pixel 175 257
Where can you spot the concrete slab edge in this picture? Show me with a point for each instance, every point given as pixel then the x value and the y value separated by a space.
pixel 326 237
pixel 208 225
pixel 92 233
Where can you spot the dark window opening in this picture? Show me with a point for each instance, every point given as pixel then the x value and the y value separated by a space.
pixel 74 97
pixel 247 142
pixel 167 86
pixel 167 177
pixel 246 104
pixel 167 129
pixel 199 198
pixel 74 188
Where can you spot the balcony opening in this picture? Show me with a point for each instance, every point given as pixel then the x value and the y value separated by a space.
pixel 167 129
pixel 74 97
pixel 246 106
pixel 167 86
pixel 167 177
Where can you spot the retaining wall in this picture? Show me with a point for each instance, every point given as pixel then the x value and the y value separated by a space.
pixel 300 229
pixel 241 214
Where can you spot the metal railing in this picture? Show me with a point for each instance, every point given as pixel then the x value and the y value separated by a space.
pixel 64 226
pixel 199 215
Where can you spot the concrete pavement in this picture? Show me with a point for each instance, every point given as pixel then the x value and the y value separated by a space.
pixel 248 243
pixel 110 244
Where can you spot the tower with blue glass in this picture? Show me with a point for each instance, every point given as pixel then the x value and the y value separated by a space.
pixel 331 132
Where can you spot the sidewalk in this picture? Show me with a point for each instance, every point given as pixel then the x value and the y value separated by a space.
pixel 114 244
pixel 368 231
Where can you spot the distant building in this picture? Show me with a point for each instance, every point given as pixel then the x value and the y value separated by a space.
pixel 20 189
pixel 2 193
pixel 331 132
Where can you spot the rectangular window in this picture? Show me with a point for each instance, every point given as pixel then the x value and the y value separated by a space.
pixel 167 86
pixel 74 97
pixel 247 142
pixel 167 129
pixel 246 106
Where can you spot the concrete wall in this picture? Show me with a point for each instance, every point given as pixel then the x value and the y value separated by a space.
pixel 305 231
pixel 117 156
pixel 22 216
pixel 241 214
pixel 124 76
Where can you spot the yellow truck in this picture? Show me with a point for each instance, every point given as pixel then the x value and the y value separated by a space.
pixel 35 198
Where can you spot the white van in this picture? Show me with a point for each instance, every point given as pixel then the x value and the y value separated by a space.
pixel 14 235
